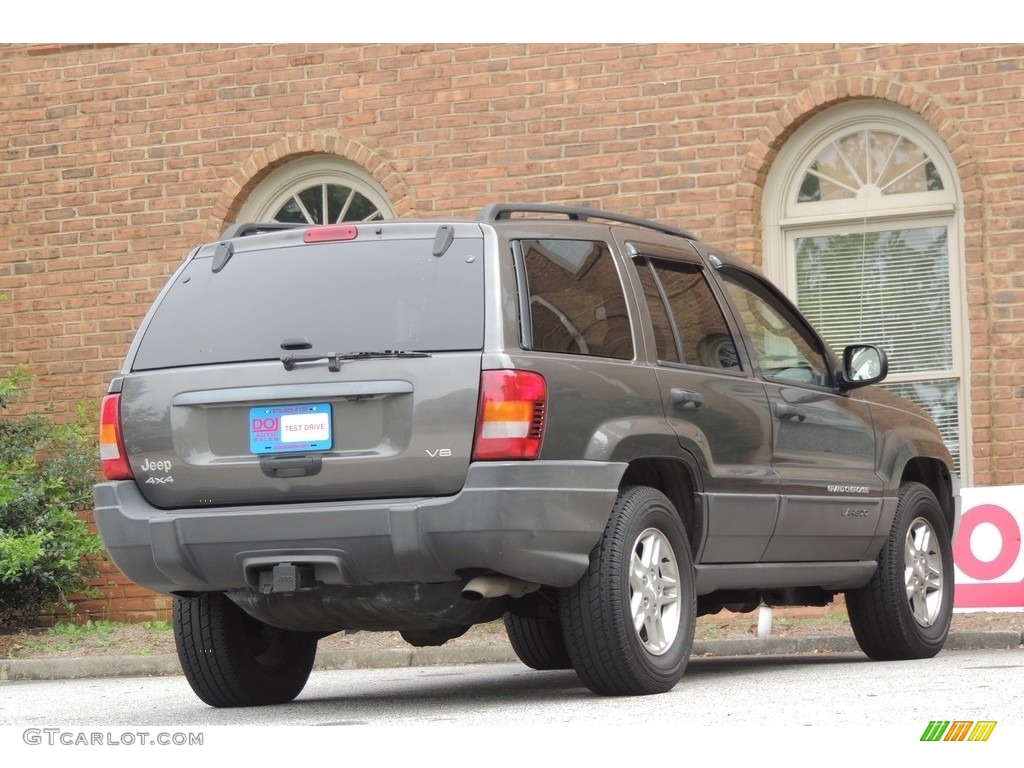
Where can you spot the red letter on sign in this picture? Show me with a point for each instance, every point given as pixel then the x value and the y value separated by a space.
pixel 993 594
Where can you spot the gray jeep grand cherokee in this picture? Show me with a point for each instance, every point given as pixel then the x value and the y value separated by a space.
pixel 591 424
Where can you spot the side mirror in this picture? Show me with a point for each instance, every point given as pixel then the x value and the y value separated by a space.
pixel 863 364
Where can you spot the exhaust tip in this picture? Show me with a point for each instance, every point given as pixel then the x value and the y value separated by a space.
pixel 497 586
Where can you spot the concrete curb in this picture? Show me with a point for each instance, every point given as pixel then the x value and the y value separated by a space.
pixel 392 658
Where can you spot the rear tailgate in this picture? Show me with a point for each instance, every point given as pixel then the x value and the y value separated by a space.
pixel 303 372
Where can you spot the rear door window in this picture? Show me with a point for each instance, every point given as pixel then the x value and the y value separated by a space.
pixel 576 300
pixel 689 327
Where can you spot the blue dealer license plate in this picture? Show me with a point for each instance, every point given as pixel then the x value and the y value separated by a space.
pixel 287 428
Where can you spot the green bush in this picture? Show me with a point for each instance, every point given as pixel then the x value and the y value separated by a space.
pixel 46 475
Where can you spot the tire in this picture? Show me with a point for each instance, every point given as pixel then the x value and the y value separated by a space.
pixel 232 660
pixel 904 612
pixel 537 642
pixel 628 623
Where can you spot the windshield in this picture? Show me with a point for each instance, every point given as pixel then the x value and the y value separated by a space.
pixel 340 296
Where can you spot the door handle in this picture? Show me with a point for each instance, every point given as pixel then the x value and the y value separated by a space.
pixel 685 398
pixel 787 412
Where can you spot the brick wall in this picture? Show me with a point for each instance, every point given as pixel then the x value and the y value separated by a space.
pixel 114 160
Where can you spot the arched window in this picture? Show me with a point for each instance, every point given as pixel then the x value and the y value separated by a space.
pixel 317 189
pixel 863 229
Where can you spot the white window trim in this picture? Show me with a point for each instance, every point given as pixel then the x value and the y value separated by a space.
pixel 877 224
pixel 784 219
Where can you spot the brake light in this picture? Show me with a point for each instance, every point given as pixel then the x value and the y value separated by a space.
pixel 330 233
pixel 510 424
pixel 113 457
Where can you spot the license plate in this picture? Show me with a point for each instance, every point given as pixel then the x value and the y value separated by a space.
pixel 288 428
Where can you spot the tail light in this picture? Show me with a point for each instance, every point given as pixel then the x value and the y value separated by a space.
pixel 330 233
pixel 510 424
pixel 113 456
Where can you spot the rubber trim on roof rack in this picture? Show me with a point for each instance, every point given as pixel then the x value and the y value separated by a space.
pixel 245 228
pixel 504 211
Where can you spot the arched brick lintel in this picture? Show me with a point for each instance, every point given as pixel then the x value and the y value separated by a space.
pixel 291 147
pixel 823 94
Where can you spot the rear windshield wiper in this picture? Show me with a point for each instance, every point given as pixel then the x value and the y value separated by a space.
pixel 335 359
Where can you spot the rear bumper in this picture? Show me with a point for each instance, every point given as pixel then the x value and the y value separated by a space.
pixel 535 521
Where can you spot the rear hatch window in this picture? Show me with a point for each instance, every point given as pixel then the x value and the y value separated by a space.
pixel 374 295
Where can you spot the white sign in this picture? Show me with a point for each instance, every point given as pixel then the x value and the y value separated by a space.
pixel 305 427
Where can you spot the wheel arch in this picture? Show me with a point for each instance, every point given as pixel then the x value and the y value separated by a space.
pixel 938 478
pixel 676 477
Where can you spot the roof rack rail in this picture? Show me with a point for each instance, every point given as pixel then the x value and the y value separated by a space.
pixel 244 228
pixel 500 211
